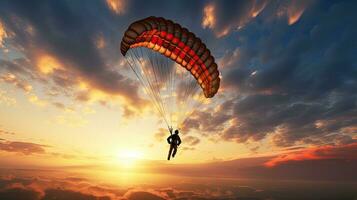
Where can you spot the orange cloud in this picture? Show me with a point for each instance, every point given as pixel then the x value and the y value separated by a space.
pixel 209 18
pixel 257 8
pixel 117 6
pixel 347 152
pixel 295 10
pixel 47 64
pixel 223 17
pixel 3 35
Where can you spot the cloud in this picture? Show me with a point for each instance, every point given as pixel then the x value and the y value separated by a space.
pixel 295 9
pixel 12 79
pixel 224 16
pixel 37 101
pixel 59 105
pixel 3 35
pixel 5 132
pixel 137 195
pixel 70 195
pixel 216 180
pixel 63 50
pixel 209 120
pixel 288 85
pixel 117 6
pixel 209 20
pixel 48 187
pixel 161 134
pixel 25 148
pixel 342 152
pixel 191 140
pixel 6 99
pixel 19 193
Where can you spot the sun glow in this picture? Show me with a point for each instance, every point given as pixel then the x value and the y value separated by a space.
pixel 129 158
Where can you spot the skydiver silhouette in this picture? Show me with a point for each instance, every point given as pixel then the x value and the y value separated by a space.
pixel 174 140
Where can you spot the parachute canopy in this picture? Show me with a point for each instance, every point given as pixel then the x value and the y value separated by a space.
pixel 177 43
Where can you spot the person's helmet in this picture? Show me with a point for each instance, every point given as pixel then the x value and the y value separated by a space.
pixel 176 131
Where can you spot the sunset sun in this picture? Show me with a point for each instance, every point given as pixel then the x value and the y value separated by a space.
pixel 128 158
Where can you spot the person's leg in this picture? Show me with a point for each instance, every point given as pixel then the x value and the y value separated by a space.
pixel 175 150
pixel 168 157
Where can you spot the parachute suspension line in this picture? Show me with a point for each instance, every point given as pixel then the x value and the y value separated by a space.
pixel 155 87
pixel 162 69
pixel 171 88
pixel 191 92
pixel 130 58
pixel 147 75
pixel 156 71
pixel 157 64
pixel 172 92
pixel 145 87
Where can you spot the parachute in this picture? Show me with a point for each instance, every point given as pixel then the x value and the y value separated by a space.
pixel 173 91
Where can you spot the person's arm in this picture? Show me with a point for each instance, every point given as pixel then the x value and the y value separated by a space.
pixel 179 141
pixel 168 139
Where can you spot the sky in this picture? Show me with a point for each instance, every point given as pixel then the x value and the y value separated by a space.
pixel 286 108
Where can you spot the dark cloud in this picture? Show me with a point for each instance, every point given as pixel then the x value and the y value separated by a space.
pixel 19 193
pixel 69 195
pixel 295 82
pixel 209 120
pixel 143 195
